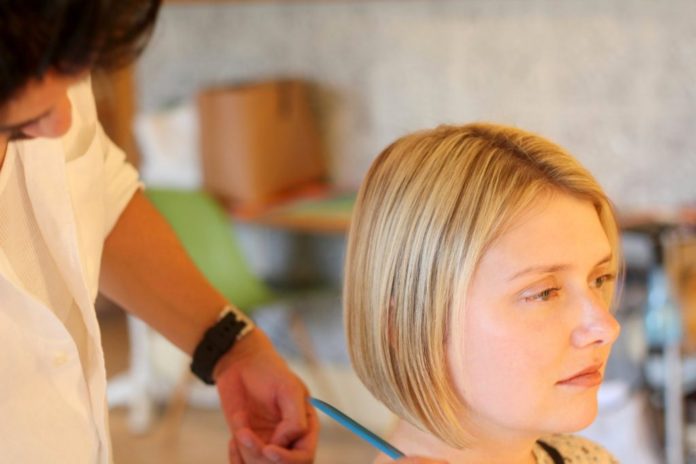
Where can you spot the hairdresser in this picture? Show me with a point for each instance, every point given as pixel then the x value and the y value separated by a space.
pixel 74 221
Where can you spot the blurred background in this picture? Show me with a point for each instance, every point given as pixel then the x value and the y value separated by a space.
pixel 300 96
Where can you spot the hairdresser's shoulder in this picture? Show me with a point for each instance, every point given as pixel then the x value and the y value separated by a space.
pixel 579 450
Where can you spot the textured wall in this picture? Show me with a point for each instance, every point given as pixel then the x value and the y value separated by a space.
pixel 615 82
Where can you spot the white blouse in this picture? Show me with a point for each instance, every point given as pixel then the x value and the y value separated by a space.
pixel 59 199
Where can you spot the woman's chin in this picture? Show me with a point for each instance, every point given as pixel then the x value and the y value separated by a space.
pixel 576 417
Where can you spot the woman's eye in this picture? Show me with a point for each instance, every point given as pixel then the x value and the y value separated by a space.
pixel 544 295
pixel 603 279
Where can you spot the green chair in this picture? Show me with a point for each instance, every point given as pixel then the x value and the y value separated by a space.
pixel 207 234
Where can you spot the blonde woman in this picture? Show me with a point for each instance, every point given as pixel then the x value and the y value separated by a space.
pixel 480 273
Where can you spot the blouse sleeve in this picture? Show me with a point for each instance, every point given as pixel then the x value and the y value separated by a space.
pixel 121 181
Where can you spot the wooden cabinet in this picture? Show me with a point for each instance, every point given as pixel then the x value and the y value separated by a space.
pixel 114 93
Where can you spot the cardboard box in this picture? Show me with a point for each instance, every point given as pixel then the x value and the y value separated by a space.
pixel 258 140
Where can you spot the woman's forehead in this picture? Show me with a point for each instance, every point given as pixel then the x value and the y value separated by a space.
pixel 559 231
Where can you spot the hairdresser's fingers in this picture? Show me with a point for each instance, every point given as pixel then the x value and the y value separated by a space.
pixel 294 409
pixel 302 451
pixel 280 455
pixel 239 420
pixel 419 460
pixel 249 446
pixel 233 452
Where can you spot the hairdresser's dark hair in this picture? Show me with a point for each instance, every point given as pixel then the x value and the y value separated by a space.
pixel 69 36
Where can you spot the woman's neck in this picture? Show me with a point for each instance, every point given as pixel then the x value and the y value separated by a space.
pixel 485 450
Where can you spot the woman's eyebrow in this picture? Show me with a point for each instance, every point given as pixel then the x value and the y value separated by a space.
pixel 20 125
pixel 605 260
pixel 544 268
pixel 540 269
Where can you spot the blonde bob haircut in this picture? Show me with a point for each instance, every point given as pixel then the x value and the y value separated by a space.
pixel 430 205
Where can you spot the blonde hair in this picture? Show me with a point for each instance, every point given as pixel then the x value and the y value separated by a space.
pixel 430 205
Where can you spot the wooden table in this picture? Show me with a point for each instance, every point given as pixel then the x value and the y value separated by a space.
pixel 315 211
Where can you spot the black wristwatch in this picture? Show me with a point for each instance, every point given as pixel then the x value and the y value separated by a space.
pixel 218 340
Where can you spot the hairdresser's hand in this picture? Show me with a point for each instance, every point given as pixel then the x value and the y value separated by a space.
pixel 265 405
pixel 417 460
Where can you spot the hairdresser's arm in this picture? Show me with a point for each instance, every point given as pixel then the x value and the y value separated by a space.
pixel 146 270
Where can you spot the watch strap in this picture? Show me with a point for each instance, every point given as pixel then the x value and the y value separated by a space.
pixel 218 340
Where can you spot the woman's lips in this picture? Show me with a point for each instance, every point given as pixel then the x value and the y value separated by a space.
pixel 589 377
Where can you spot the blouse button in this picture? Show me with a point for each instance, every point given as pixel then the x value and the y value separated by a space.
pixel 60 358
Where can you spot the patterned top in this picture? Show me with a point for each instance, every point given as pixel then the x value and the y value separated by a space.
pixel 575 450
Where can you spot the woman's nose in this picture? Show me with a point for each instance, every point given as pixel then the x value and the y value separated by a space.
pixel 597 326
pixel 54 124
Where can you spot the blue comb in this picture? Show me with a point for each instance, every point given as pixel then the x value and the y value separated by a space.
pixel 357 429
